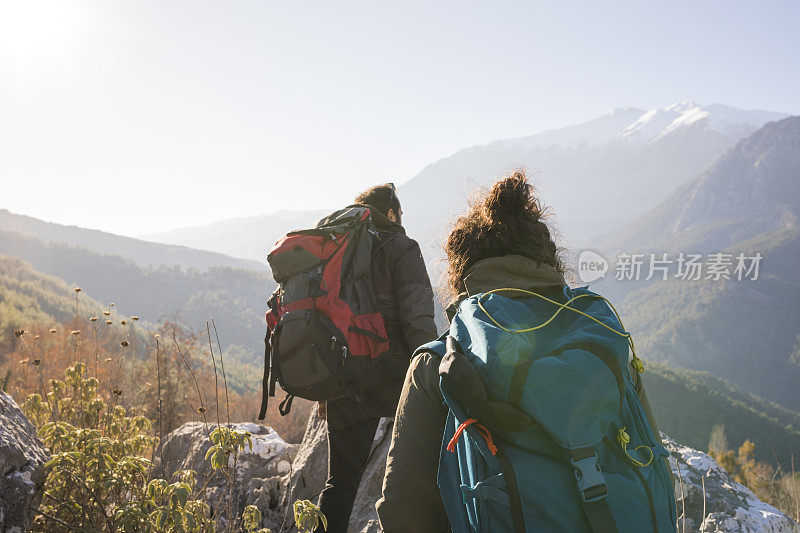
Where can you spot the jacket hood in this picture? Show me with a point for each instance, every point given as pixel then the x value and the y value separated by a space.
pixel 508 271
pixel 382 222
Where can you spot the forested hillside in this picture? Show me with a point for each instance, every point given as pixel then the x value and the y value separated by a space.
pixel 743 332
pixel 30 297
pixel 688 404
pixel 235 297
pixel 56 319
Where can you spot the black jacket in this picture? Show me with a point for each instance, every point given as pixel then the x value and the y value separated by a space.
pixel 405 299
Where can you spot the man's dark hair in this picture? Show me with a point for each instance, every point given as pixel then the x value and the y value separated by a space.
pixel 381 197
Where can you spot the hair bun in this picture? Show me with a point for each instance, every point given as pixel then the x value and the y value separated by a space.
pixel 509 197
pixel 507 220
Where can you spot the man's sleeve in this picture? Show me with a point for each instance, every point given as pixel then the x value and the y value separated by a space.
pixel 414 297
pixel 411 500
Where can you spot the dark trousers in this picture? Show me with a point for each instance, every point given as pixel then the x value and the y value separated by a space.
pixel 348 452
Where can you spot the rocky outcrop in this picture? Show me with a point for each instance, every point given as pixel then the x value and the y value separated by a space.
pixel 310 470
pixel 186 447
pixel 264 464
pixel 276 474
pixel 709 500
pixel 22 467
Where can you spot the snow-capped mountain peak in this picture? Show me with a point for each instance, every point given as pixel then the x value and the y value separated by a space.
pixel 632 125
pixel 682 107
pixel 658 123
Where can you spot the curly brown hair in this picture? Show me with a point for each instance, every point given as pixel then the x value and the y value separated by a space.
pixel 508 220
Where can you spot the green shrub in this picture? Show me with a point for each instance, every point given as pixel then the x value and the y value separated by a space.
pixel 98 463
pixel 308 516
pixel 99 470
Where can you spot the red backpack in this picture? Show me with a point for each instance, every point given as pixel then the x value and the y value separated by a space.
pixel 325 333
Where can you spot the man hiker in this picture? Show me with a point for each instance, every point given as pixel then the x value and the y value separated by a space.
pixel 405 300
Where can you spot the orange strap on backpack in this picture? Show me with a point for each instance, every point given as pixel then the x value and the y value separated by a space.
pixel 485 433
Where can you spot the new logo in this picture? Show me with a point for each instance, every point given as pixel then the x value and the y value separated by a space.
pixel 591 266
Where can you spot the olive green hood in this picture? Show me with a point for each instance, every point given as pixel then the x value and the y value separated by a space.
pixel 508 271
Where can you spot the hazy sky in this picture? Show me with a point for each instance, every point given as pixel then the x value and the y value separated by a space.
pixel 143 116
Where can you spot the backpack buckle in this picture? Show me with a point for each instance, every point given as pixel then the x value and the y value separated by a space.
pixel 591 483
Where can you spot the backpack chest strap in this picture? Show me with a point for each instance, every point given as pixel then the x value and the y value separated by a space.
pixel 593 490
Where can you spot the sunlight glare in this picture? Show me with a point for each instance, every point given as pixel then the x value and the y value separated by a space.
pixel 33 28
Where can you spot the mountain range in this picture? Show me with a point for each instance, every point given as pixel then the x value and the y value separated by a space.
pixel 595 175
pixel 746 331
pixel 752 191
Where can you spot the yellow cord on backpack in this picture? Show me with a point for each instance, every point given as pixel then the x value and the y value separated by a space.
pixel 635 362
pixel 623 439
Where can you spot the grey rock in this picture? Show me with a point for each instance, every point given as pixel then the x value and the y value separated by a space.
pixel 22 467
pixel 257 470
pixel 310 471
pixel 275 475
pixel 702 485
pixel 365 518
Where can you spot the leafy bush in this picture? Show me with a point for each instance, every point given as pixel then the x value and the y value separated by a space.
pixel 307 516
pixel 172 508
pixel 98 463
pixel 226 443
pixel 776 486
pixel 99 470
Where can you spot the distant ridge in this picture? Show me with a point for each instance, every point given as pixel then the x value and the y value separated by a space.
pixel 140 252
pixel 248 237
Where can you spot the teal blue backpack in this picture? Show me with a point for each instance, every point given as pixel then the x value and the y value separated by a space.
pixel 545 430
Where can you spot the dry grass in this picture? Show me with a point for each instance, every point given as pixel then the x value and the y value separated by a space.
pixel 167 373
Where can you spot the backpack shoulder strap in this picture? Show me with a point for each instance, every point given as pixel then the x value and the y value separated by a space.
pixel 268 380
pixel 438 346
